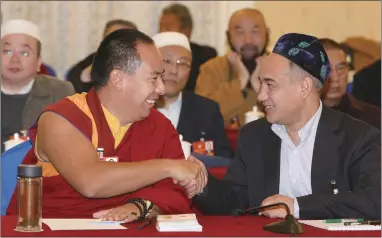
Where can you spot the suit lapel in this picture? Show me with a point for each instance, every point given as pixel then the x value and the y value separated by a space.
pixel 325 153
pixel 272 164
pixel 184 112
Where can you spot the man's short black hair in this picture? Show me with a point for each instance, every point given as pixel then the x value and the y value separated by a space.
pixel 118 51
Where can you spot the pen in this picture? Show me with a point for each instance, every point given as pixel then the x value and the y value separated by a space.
pixel 342 220
pixel 376 222
pixel 144 224
pixel 334 187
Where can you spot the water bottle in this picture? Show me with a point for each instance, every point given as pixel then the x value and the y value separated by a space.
pixel 29 196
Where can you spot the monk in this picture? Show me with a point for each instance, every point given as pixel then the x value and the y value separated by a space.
pixel 117 119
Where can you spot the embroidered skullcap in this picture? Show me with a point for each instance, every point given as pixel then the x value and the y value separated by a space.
pixel 306 52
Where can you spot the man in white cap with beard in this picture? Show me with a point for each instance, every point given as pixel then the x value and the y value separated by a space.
pixel 24 94
pixel 196 118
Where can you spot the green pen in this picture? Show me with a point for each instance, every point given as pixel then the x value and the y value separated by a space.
pixel 343 220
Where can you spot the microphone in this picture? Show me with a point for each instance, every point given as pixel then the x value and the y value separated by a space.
pixel 288 226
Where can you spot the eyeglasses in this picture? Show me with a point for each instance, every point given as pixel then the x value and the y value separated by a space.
pixel 180 63
pixel 22 53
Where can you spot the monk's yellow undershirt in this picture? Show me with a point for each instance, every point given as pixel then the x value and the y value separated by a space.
pixel 117 130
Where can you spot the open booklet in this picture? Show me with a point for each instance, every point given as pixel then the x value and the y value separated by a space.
pixel 339 226
pixel 178 223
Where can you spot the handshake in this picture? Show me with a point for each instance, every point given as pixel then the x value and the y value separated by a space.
pixel 191 174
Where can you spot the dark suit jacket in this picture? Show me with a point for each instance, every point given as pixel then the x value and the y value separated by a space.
pixel 345 150
pixel 360 110
pixel 367 84
pixel 200 55
pixel 201 117
pixel 45 90
pixel 74 74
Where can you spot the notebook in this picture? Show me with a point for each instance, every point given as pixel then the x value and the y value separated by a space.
pixel 339 226
pixel 178 223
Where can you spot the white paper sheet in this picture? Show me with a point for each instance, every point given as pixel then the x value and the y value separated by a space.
pixel 339 226
pixel 81 224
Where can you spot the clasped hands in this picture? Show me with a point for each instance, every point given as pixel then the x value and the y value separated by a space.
pixel 242 73
pixel 192 175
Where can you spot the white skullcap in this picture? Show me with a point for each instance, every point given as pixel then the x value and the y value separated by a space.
pixel 20 26
pixel 171 39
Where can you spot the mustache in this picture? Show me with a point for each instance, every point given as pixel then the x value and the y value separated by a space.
pixel 250 47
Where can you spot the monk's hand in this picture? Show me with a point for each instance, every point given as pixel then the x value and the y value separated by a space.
pixel 126 213
pixel 190 174
pixel 194 189
pixel 241 71
pixel 279 212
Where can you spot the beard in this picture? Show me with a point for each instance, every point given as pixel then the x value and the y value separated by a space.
pixel 250 63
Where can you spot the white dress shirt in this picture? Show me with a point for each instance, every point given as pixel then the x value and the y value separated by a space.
pixel 173 111
pixel 296 160
pixel 24 90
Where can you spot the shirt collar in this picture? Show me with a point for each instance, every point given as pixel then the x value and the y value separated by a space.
pixel 176 104
pixel 305 131
pixel 24 90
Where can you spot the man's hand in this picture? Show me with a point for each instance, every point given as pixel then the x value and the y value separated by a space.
pixel 234 60
pixel 193 190
pixel 277 212
pixel 189 174
pixel 255 82
pixel 126 213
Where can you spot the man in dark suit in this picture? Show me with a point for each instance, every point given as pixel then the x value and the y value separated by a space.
pixel 367 84
pixel 79 74
pixel 196 118
pixel 177 17
pixel 301 148
pixel 334 92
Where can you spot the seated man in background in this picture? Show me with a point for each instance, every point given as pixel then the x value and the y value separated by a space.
pixel 367 84
pixel 117 120
pixel 228 79
pixel 334 91
pixel 177 17
pixel 24 93
pixel 301 148
pixel 79 74
pixel 196 118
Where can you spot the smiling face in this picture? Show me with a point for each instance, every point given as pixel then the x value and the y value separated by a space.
pixel 143 88
pixel 278 91
pixel 177 62
pixel 20 60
